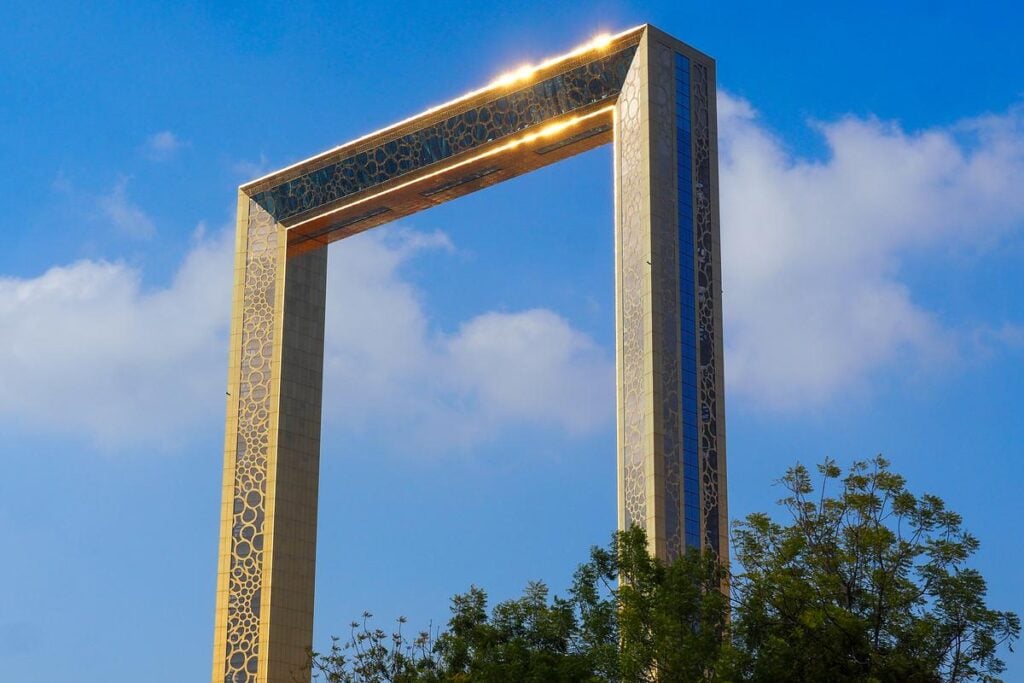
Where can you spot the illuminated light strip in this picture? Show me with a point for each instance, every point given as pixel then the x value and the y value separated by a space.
pixel 573 139
pixel 544 132
pixel 344 224
pixel 460 181
pixel 599 42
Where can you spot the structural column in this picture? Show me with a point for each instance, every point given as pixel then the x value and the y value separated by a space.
pixel 264 617
pixel 671 438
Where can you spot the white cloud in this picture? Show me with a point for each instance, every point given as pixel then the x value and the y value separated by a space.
pixel 117 209
pixel 89 352
pixel 249 169
pixel 814 299
pixel 163 145
pixel 535 367
pixel 384 362
pixel 93 353
pixel 815 303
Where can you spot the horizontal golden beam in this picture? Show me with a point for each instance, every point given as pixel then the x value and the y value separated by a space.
pixel 499 161
pixel 535 116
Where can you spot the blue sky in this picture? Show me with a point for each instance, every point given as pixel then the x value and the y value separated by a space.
pixel 873 226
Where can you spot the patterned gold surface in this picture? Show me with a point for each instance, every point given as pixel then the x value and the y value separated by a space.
pixel 632 267
pixel 268 539
pixel 665 301
pixel 253 438
pixel 506 115
pixel 706 304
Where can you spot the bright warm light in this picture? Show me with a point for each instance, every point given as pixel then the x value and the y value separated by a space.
pixel 548 130
pixel 520 74
pixel 554 128
pixel 598 42
pixel 523 73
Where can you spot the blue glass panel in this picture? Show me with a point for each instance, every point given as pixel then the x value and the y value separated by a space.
pixel 688 315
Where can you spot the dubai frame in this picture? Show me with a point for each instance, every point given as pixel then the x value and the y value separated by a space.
pixel 651 95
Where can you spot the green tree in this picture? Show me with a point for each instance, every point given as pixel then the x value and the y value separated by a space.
pixel 662 622
pixel 370 655
pixel 869 583
pixel 864 582
pixel 531 639
pixel 672 617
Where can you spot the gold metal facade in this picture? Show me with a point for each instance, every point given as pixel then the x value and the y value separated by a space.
pixel 629 89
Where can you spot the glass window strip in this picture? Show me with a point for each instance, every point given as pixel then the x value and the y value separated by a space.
pixel 688 312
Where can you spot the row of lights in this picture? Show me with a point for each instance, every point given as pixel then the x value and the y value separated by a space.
pixel 519 75
pixel 546 131
pixel 598 42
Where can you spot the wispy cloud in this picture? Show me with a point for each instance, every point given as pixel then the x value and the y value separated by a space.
pixel 249 169
pixel 385 361
pixel 988 340
pixel 815 301
pixel 112 209
pixel 163 145
pixel 124 365
pixel 124 215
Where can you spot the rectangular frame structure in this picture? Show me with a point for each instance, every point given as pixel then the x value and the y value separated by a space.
pixel 646 91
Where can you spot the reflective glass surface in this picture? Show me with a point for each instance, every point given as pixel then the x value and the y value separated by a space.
pixel 688 317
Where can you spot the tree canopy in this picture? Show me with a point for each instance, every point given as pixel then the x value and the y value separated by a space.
pixel 859 580
pixel 864 582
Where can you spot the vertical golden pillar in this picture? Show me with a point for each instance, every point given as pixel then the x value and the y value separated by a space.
pixel 264 617
pixel 671 432
pixel 671 437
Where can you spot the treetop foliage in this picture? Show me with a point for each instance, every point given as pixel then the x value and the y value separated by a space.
pixel 865 581
pixel 861 581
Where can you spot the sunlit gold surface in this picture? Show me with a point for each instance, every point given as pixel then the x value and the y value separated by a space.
pixel 275 368
pixel 601 42
pixel 404 197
